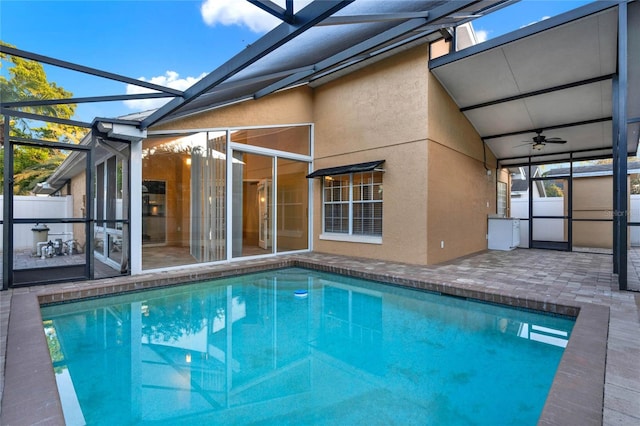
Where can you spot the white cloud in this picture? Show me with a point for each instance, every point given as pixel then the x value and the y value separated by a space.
pixel 242 13
pixel 482 35
pixel 535 22
pixel 170 79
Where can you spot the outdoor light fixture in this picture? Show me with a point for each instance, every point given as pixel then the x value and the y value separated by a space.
pixel 44 186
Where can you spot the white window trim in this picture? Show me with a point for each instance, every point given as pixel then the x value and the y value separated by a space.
pixel 350 236
pixel 334 236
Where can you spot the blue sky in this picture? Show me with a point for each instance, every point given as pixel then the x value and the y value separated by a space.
pixel 171 43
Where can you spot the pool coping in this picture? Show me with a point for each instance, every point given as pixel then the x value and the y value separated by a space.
pixel 31 394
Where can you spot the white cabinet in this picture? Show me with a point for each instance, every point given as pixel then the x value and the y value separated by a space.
pixel 504 233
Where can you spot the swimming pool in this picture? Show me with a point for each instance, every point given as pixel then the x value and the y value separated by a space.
pixel 296 346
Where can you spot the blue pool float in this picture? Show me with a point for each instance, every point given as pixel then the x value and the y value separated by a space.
pixel 301 294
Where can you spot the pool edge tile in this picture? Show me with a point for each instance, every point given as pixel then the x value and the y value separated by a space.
pixel 577 393
pixel 558 409
pixel 28 367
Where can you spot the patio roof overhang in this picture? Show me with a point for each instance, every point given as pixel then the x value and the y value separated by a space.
pixel 557 76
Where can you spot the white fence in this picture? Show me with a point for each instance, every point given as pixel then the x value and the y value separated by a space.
pixel 634 216
pixel 62 207
pixel 39 207
pixel 553 230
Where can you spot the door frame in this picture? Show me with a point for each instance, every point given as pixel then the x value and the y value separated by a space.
pixel 566 243
pixel 13 277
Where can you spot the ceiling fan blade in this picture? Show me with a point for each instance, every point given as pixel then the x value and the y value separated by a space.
pixel 555 141
pixel 523 144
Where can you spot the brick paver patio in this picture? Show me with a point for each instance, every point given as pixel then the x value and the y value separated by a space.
pixel 556 281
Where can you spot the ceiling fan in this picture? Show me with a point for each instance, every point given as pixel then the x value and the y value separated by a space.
pixel 539 141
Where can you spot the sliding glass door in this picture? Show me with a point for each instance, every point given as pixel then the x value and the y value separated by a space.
pixel 252 204
pixel 270 215
pixel 211 196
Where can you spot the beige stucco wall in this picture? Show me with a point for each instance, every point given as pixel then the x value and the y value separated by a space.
pixel 286 107
pixel 449 127
pixel 379 113
pixel 440 48
pixel 593 199
pixel 78 190
pixel 461 193
pixel 435 184
pixel 383 105
pixel 461 196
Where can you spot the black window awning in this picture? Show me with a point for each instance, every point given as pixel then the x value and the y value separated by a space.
pixel 343 170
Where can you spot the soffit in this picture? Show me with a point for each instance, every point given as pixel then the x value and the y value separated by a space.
pixel 554 76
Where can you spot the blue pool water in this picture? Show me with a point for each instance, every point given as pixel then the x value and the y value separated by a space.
pixel 300 347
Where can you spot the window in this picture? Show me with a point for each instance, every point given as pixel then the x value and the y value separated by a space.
pixel 502 199
pixel 352 204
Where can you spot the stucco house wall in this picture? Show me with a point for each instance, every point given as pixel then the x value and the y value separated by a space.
pixel 461 193
pixel 437 193
pixel 593 199
pixel 293 106
pixel 379 113
pixel 78 189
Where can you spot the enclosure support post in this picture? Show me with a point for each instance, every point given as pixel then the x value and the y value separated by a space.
pixel 620 117
pixel 7 222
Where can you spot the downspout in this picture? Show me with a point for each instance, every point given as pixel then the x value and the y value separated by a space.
pixel 484 155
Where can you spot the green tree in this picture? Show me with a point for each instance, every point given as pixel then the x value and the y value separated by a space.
pixel 634 183
pixel 55 350
pixel 25 80
pixel 553 190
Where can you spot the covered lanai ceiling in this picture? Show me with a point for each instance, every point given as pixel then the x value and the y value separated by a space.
pixel 556 76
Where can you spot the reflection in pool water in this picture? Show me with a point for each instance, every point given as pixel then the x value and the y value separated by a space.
pixel 253 349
